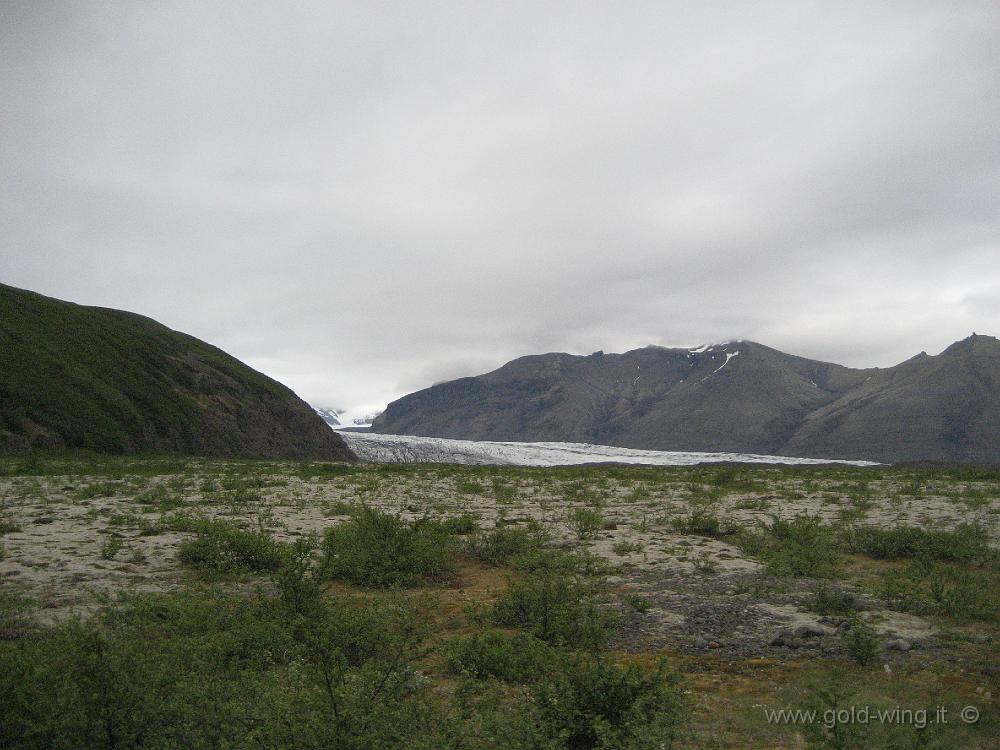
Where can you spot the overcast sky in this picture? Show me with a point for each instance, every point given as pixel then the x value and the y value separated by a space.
pixel 361 199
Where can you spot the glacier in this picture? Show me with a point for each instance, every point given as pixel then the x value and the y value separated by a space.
pixel 371 446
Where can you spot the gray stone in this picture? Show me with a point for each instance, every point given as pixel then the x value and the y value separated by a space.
pixel 779 639
pixel 899 644
pixel 814 630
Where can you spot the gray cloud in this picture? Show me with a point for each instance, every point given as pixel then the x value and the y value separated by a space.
pixel 364 198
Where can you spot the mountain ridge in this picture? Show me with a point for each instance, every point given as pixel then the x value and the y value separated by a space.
pixel 738 396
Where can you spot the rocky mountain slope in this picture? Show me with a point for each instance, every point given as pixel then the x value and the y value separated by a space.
pixel 737 397
pixel 112 381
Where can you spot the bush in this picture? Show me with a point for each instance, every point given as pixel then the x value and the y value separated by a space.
pixel 831 601
pixel 962 592
pixel 624 547
pixel 593 704
pixel 111 547
pixel 636 601
pixel 224 547
pixel 800 547
pixel 499 546
pixel 861 642
pixel 187 521
pixel 565 562
pixel 585 523
pixel 200 668
pixel 557 608
pixel 160 496
pixel 379 549
pixel 966 542
pixel 461 525
pixel 699 523
pixel 14 613
pixel 296 579
pixel 515 658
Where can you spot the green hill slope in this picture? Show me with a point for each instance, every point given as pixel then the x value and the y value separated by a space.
pixel 112 381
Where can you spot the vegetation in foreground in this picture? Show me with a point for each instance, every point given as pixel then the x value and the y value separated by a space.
pixel 469 607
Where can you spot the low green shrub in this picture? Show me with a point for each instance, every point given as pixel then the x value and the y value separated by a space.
pixel 200 668
pixel 379 549
pixel 184 521
pixel 585 523
pixel 224 547
pixel 111 547
pixel 106 488
pixel 160 496
pixel 328 470
pixel 625 547
pixel 517 658
pixel 637 601
pixel 827 600
pixel 297 579
pixel 15 608
pixel 499 546
pixel 562 561
pixel 469 486
pixel 966 542
pixel 861 641
pixel 557 608
pixel 699 523
pixel 592 703
pixel 800 547
pixel 960 591
pixel 461 525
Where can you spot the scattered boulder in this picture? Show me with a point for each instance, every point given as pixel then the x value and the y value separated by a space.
pixel 788 639
pixel 840 623
pixel 814 630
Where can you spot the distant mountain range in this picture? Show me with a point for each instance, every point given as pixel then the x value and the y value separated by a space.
pixel 115 382
pixel 736 397
pixel 329 415
pixel 335 417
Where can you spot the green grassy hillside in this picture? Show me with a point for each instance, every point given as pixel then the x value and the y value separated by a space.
pixel 110 381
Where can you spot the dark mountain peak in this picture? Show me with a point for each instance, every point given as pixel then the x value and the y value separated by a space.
pixel 730 396
pixel 915 358
pixel 975 345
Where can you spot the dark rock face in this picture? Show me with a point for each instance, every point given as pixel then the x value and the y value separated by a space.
pixel 115 382
pixel 741 396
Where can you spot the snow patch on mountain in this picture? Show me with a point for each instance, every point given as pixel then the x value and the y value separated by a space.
pixel 729 356
pixel 330 415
